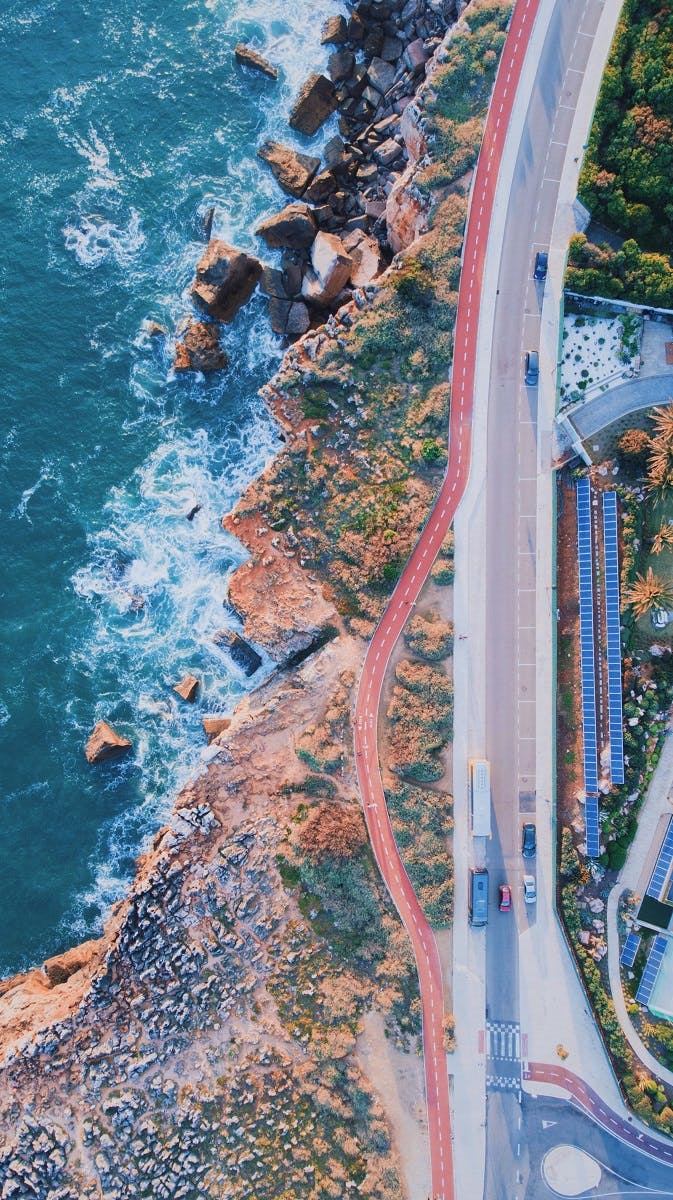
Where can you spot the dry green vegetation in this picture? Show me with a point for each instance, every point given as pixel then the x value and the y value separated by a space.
pixel 371 396
pixel 626 175
pixel 429 637
pixel 422 823
pixel 421 715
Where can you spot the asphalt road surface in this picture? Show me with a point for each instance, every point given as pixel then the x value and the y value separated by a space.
pixel 625 1173
pixel 511 550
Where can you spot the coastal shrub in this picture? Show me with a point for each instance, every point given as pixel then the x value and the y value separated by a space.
pixel 422 823
pixel 429 637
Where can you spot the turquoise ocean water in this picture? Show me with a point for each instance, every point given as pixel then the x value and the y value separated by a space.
pixel 120 125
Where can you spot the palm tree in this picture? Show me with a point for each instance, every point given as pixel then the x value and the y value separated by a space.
pixel 649 591
pixel 660 469
pixel 662 419
pixel 663 537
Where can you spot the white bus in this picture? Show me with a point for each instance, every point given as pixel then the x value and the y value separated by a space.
pixel 480 797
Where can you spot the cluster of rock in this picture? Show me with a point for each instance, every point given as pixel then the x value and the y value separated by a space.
pixel 173 1067
pixel 334 237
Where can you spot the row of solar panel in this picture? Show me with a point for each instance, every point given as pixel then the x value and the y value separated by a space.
pixel 649 976
pixel 630 949
pixel 588 669
pixel 662 866
pixel 614 651
pixel 591 820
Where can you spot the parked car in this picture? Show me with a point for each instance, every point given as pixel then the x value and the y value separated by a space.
pixel 505 904
pixel 528 840
pixel 529 892
pixel 532 368
pixel 541 263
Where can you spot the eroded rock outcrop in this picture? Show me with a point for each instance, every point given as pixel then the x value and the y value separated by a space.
pixel 247 57
pixel 294 171
pixel 105 742
pixel 294 227
pixel 316 101
pixel 200 349
pixel 225 280
pixel 329 271
pixel 187 688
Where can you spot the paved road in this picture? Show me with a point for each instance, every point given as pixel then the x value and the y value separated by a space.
pixel 511 547
pixel 629 1132
pixel 408 588
pixel 625 1172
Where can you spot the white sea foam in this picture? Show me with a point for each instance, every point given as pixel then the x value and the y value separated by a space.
pixel 5 714
pixel 47 474
pixel 95 240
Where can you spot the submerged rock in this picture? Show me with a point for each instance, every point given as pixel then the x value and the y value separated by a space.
pixel 294 171
pixel 316 101
pixel 329 271
pixel 200 349
pixel 293 227
pixel 247 57
pixel 241 651
pixel 105 742
pixel 187 688
pixel 225 280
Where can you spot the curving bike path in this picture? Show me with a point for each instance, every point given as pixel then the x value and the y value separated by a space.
pixel 585 1097
pixel 408 589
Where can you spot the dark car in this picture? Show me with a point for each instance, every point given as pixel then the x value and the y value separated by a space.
pixel 541 261
pixel 528 841
pixel 532 368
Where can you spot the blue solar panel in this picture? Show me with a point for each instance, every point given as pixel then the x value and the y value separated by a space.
pixel 660 872
pixel 631 946
pixel 611 553
pixel 592 830
pixel 587 653
pixel 649 976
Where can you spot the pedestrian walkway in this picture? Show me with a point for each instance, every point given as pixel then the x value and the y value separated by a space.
pixel 618 402
pixel 503 1056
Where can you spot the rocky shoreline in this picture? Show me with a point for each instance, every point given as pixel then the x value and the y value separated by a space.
pixel 206 1040
pixel 345 221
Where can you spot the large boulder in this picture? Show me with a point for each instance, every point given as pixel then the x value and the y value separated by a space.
pixel 288 317
pixel 293 171
pixel 315 103
pixel 242 653
pixel 366 256
pixel 381 75
pixel 187 688
pixel 105 742
pixel 247 57
pixel 225 280
pixel 200 349
pixel 329 271
pixel 335 31
pixel 294 227
pixel 406 211
pixel 214 726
